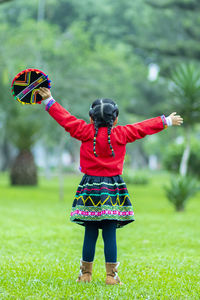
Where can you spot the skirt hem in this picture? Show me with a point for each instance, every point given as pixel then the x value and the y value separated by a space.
pixel 120 223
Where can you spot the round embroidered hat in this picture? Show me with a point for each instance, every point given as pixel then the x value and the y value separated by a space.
pixel 26 84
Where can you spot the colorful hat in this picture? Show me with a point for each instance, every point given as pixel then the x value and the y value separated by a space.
pixel 25 86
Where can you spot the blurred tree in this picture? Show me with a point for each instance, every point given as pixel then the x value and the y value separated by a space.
pixel 80 73
pixel 3 1
pixel 177 35
pixel 185 5
pixel 4 112
pixel 186 90
pixel 90 49
pixel 23 131
pixel 10 64
pixel 174 153
pixel 62 13
pixel 106 23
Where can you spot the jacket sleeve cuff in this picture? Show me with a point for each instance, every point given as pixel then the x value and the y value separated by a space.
pixel 169 121
pixel 164 121
pixel 47 100
pixel 49 104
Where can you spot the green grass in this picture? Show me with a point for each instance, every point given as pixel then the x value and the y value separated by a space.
pixel 40 248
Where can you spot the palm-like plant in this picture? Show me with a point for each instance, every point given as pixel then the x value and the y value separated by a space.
pixel 23 132
pixel 185 88
pixel 180 190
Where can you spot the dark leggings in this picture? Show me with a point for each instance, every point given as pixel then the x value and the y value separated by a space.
pixel 109 238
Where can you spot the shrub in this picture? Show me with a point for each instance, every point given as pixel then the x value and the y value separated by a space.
pixel 180 190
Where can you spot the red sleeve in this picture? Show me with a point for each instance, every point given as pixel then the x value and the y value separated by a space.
pixel 132 132
pixel 77 128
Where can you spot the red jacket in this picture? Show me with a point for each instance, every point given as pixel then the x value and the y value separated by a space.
pixel 104 164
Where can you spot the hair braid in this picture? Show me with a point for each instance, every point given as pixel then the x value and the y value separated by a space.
pixel 95 136
pixel 103 112
pixel 109 142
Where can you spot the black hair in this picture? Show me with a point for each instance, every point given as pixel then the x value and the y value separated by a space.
pixel 103 112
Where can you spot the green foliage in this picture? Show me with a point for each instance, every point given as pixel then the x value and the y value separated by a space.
pixel 135 178
pixel 80 73
pixel 22 128
pixel 170 33
pixel 173 154
pixel 62 13
pixel 180 190
pixel 90 49
pixel 149 101
pixel 186 90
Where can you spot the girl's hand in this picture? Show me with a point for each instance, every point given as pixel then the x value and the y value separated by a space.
pixel 44 92
pixel 176 120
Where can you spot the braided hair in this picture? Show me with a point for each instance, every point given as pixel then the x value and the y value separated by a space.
pixel 103 112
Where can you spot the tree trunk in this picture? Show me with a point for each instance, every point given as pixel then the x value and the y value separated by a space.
pixel 180 207
pixel 23 170
pixel 186 155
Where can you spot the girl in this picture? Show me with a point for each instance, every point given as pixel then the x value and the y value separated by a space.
pixel 102 200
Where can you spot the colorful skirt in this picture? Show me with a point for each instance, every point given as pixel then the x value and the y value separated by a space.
pixel 102 198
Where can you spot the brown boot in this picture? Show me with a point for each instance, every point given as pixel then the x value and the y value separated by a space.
pixel 85 274
pixel 111 274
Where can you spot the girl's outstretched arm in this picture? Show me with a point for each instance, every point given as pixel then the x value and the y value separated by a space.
pixel 139 130
pixel 76 127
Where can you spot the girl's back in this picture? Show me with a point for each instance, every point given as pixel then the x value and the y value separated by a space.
pixel 103 148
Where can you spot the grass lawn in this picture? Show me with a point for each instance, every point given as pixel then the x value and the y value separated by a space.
pixel 40 249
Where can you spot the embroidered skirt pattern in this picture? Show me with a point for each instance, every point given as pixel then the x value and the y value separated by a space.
pixel 102 198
